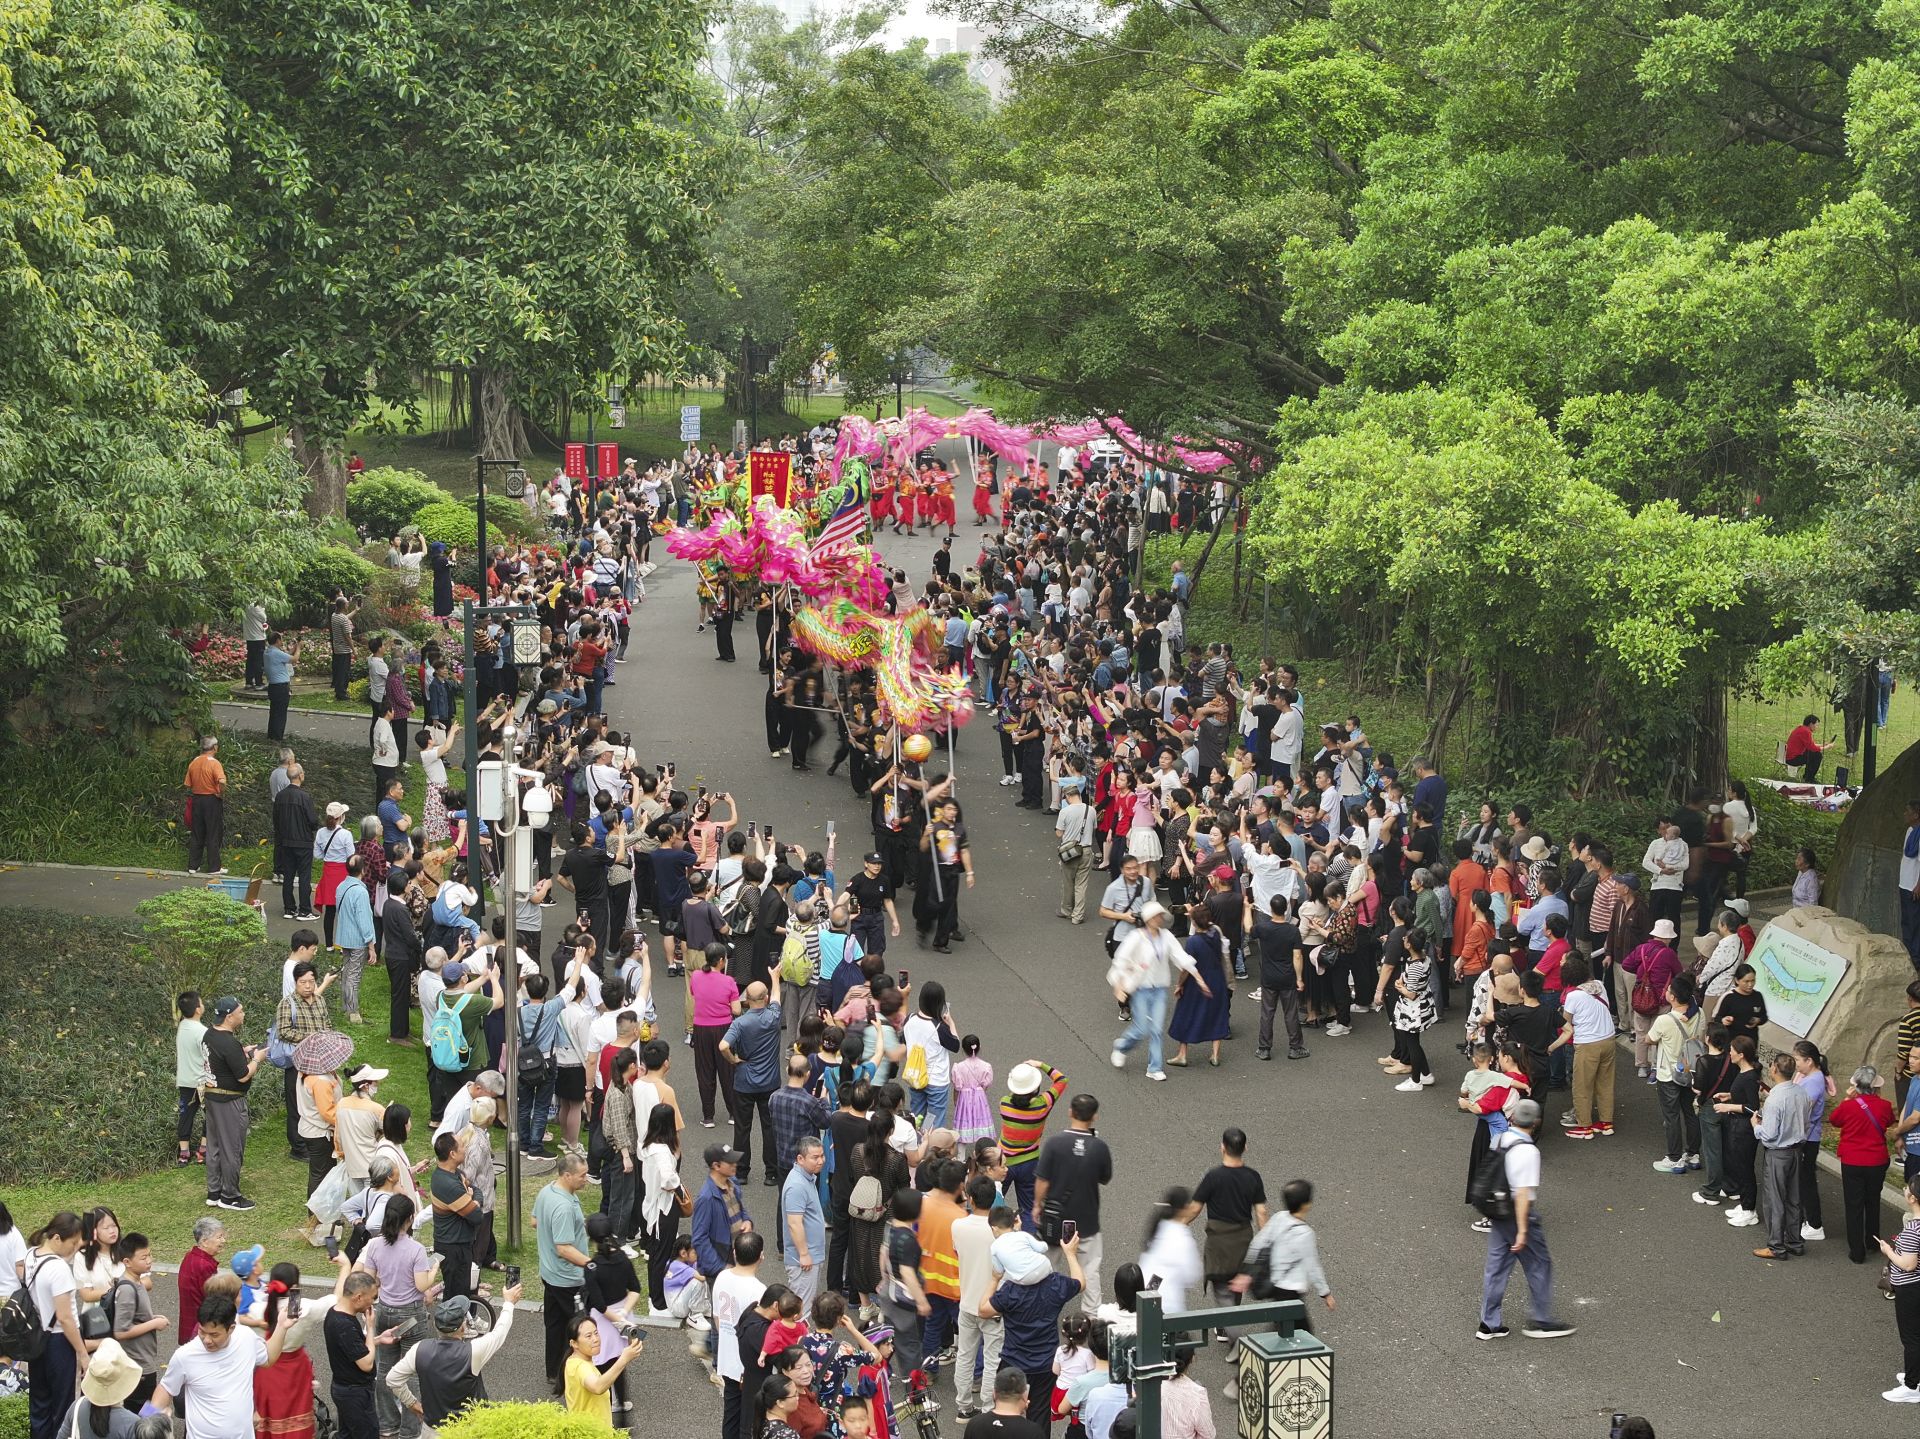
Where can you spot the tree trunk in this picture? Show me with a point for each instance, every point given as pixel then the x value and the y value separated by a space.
pixel 1710 738
pixel 325 469
pixel 1434 746
pixel 458 409
pixel 500 433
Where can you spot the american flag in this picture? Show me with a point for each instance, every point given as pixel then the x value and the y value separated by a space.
pixel 844 528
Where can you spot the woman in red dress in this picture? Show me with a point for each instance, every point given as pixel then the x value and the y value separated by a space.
pixel 983 491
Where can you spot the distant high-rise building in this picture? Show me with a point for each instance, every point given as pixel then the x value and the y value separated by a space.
pixel 972 40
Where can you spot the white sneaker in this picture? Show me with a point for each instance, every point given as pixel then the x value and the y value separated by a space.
pixel 1567 1120
pixel 1118 1059
pixel 1670 1166
pixel 1429 1081
pixel 1008 781
pixel 1812 1231
pixel 1902 1395
pixel 1639 1071
pixel 1334 1031
pixel 1743 1219
pixel 1409 1086
pixel 1254 995
pixel 1158 1076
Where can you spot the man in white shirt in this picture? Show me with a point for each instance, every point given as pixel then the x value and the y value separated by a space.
pixel 1666 861
pixel 736 1289
pixel 213 1371
pixel 1284 748
pixel 972 1247
pixel 459 1110
pixel 1521 1237
pixel 1591 1022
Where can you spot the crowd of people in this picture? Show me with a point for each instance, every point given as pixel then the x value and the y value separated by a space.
pixel 933 1232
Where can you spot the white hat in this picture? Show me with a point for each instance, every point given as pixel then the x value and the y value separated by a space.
pixel 1739 907
pixel 1024 1079
pixel 367 1074
pixel 111 1376
pixel 1152 909
pixel 336 810
pixel 1535 848
pixel 1663 929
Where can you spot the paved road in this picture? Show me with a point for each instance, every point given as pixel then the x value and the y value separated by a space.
pixel 1676 1320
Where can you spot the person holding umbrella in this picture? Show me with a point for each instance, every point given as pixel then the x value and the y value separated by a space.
pixel 318 1060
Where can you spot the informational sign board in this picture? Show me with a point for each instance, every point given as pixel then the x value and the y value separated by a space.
pixel 1797 977
pixel 609 458
pixel 689 422
pixel 576 462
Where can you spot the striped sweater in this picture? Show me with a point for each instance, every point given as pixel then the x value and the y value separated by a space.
pixel 1023 1118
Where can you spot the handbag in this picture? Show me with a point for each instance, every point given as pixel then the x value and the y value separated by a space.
pixel 682 1202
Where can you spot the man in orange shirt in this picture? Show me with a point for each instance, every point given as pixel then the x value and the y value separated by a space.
pixel 206 786
pixel 939 1260
pixel 1468 875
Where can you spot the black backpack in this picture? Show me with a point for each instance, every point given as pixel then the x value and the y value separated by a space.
pixel 1489 1192
pixel 22 1336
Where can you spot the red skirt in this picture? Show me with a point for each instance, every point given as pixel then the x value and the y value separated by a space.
pixel 283 1398
pixel 331 873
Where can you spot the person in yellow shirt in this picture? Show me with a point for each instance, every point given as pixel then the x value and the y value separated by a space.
pixel 589 1389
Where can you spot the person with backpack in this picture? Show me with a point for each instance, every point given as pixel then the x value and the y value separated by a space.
pixel 456 1037
pixel 1506 1191
pixel 1678 1047
pixel 40 1323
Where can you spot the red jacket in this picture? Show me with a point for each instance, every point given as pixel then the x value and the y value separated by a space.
pixel 1863 1122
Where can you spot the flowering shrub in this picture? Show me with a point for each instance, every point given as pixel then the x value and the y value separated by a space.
pixel 224 658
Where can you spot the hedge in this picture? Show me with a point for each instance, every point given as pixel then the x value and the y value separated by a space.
pixel 325 570
pixel 16 1422
pixel 384 501
pixel 521 1421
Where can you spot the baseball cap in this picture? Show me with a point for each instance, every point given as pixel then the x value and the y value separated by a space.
pixel 224 1006
pixel 336 810
pixel 450 1315
pixel 1223 872
pixel 455 973
pixel 247 1260
pixel 872 859
pixel 721 1154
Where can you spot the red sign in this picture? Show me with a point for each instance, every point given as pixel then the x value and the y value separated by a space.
pixel 609 461
pixel 770 472
pixel 576 462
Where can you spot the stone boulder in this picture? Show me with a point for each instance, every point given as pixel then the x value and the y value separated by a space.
pixel 1832 980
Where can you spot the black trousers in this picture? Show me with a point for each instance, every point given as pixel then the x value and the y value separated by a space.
pixel 353 1411
pixel 296 873
pixel 342 666
pixel 399 993
pixel 1028 755
pixel 661 1241
pixel 558 1312
pixel 1860 1197
pixel 456 1268
pixel 290 1080
pixel 209 829
pixel 1810 1185
pixel 744 1106
pixel 278 698
pixel 723 634
pixel 256 664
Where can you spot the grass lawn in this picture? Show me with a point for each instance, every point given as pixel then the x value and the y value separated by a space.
pixel 163 1204
pixel 107 805
pixel 652 430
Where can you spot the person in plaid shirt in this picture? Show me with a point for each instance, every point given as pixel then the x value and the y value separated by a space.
pixel 301 1013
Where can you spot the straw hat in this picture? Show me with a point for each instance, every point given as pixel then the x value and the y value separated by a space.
pixel 111 1376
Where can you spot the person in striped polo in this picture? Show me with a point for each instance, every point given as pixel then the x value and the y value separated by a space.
pixel 1033 1088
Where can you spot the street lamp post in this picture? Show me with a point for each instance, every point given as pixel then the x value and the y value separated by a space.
pixel 516 486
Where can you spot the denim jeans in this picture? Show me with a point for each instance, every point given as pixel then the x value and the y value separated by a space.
pixel 1149 1023
pixel 934 1103
pixel 1533 1258
pixel 536 1107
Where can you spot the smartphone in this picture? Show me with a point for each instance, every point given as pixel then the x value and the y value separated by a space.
pixel 513 1275
pixel 1068 1228
pixel 829 829
pixel 749 829
pixel 903 979
pixel 333 1247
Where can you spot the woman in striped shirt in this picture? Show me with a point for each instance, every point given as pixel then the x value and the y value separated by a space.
pixel 1903 1273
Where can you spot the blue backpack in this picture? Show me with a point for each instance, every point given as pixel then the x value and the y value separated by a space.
pixel 447 1039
